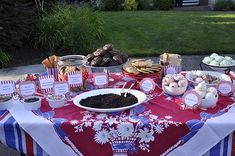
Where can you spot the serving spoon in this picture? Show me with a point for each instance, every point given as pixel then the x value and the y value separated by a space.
pixel 129 89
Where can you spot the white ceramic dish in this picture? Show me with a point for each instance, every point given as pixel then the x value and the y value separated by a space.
pixel 174 91
pixel 209 103
pixel 140 96
pixel 6 105
pixel 220 68
pixel 32 105
pixel 221 76
pixel 56 103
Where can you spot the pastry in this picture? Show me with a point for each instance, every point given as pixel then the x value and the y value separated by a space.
pixel 107 57
pixel 217 60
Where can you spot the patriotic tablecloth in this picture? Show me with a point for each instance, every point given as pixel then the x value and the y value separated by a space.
pixel 156 127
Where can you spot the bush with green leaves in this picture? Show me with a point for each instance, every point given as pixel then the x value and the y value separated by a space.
pixel 4 58
pixel 165 4
pixel 224 5
pixel 130 5
pixel 147 4
pixel 68 28
pixel 16 23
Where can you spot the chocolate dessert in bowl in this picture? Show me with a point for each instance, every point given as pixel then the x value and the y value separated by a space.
pixel 32 103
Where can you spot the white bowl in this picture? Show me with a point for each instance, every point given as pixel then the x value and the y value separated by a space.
pixel 6 105
pixel 209 103
pixel 32 105
pixel 219 75
pixel 56 103
pixel 138 94
pixel 174 91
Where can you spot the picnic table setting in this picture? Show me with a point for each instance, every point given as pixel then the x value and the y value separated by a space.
pixel 108 104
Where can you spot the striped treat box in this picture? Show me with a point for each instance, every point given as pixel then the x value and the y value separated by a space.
pixel 54 72
pixel 75 79
pixel 7 88
pixel 46 83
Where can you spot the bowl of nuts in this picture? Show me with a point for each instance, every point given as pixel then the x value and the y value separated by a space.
pixel 56 101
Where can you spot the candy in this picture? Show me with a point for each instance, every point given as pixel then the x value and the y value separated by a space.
pixel 201 87
pixel 212 90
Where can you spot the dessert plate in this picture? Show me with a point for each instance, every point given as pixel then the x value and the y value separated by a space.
pixel 138 94
pixel 220 76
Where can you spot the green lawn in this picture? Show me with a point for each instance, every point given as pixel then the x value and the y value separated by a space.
pixel 142 33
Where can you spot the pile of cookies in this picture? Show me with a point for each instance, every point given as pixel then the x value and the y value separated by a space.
pixel 106 56
pixel 51 61
pixel 142 66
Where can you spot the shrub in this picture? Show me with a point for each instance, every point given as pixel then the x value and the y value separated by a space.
pixel 147 4
pixel 130 5
pixel 165 4
pixel 68 28
pixel 16 22
pixel 4 58
pixel 224 5
pixel 107 5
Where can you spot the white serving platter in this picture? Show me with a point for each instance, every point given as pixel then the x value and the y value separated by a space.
pixel 138 94
pixel 221 76
pixel 220 68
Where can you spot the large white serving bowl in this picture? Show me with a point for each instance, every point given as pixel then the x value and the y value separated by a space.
pixel 220 68
pixel 138 94
pixel 221 76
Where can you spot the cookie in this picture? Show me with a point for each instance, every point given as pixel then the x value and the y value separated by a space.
pixel 96 61
pixel 131 70
pixel 90 57
pixel 112 63
pixel 118 59
pixel 108 47
pixel 99 52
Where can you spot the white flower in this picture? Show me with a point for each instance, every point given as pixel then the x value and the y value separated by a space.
pixel 145 135
pixel 168 117
pixel 74 122
pixel 101 116
pixel 125 129
pixel 111 121
pixel 159 129
pixel 169 98
pixel 154 117
pixel 102 136
pixel 97 125
pixel 87 124
pixel 113 133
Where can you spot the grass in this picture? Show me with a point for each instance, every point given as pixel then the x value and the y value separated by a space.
pixel 142 33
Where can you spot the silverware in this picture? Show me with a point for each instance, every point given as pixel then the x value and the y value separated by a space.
pixel 129 89
pixel 123 88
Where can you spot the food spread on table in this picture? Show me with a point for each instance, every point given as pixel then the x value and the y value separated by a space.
pixel 109 101
pixel 122 117
pixel 69 67
pixel 218 60
pixel 106 56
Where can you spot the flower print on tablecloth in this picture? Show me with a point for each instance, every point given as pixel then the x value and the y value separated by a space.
pixel 126 132
pixel 57 122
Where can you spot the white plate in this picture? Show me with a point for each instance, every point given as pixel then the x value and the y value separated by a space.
pixel 220 67
pixel 221 76
pixel 138 94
